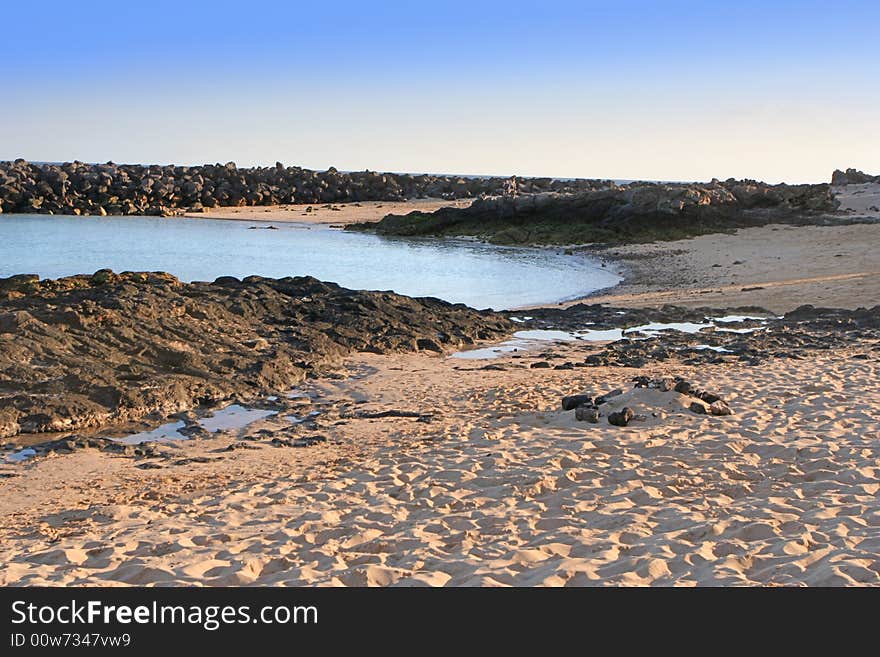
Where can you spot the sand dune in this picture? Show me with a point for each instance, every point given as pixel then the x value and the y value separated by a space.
pixel 500 489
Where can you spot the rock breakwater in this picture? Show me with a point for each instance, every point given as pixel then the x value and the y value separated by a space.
pixel 132 189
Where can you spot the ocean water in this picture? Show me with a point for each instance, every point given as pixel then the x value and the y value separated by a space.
pixel 460 271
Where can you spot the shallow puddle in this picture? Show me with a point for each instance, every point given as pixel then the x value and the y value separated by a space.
pixel 233 417
pixel 538 338
pixel 19 456
pixel 166 433
pixel 297 419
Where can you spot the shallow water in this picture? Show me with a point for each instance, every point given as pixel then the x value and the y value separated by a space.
pixel 299 419
pixel 536 339
pixel 233 417
pixel 459 271
pixel 20 455
pixel 161 434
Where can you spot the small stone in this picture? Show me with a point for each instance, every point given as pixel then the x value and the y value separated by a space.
pixel 666 384
pixel 541 364
pixel 708 397
pixel 684 387
pixel 601 399
pixel 573 401
pixel 720 407
pixel 622 417
pixel 586 413
pixel 698 408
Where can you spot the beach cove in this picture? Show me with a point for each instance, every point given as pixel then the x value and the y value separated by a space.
pixel 413 467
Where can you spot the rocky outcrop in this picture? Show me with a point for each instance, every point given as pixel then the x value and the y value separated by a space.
pixel 635 212
pixel 90 350
pixel 797 335
pixel 852 177
pixel 130 189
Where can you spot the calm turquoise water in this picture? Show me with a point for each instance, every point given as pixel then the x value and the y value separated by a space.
pixel 479 275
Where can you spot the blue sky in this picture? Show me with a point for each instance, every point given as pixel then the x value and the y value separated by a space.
pixel 657 90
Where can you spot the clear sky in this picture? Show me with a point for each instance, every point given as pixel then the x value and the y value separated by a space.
pixel 677 90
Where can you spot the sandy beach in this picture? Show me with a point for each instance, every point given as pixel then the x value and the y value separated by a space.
pixel 501 488
pixel 777 267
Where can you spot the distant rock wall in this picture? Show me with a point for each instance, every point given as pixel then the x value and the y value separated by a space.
pixel 852 177
pixel 126 189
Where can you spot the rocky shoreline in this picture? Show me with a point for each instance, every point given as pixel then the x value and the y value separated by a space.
pixel 751 342
pixel 132 189
pixel 637 212
pixel 87 351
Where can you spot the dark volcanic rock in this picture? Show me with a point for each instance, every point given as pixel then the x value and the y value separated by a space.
pixel 683 387
pixel 601 399
pixel 720 407
pixel 89 350
pixel 698 408
pixel 573 401
pixel 622 417
pixel 708 397
pixel 800 332
pixel 638 212
pixel 586 413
